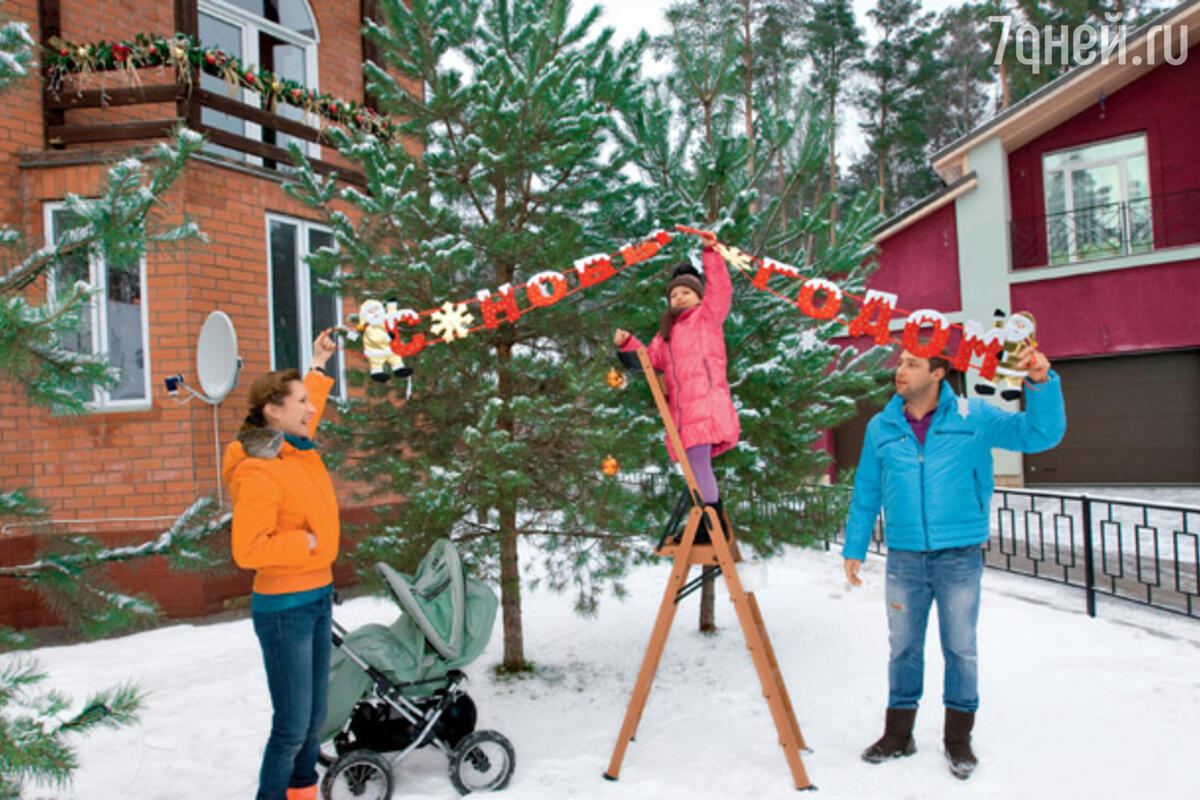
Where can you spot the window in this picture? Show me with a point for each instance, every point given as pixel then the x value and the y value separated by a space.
pixel 277 35
pixel 1098 200
pixel 299 307
pixel 112 324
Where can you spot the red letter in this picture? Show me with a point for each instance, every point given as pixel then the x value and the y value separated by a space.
pixel 882 304
pixel 808 291
pixel 497 307
pixel 593 270
pixel 539 294
pixel 769 268
pixel 399 347
pixel 633 253
pixel 977 340
pixel 936 343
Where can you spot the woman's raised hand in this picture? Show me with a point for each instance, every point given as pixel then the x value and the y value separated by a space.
pixel 620 337
pixel 323 347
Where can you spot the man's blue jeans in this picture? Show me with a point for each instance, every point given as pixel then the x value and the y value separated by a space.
pixel 915 580
pixel 296 645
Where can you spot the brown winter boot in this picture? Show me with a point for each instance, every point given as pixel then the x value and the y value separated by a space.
pixel 897 740
pixel 957 738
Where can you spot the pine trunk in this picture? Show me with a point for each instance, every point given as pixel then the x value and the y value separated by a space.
pixel 748 92
pixel 833 207
pixel 510 591
pixel 708 602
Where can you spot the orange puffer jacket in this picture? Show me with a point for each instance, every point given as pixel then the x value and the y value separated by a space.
pixel 279 494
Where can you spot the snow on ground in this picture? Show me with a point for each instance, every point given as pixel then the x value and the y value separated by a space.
pixel 1071 706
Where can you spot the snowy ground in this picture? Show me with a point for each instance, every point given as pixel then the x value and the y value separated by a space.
pixel 1072 706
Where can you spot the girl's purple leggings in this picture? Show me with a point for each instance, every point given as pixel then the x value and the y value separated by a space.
pixel 700 459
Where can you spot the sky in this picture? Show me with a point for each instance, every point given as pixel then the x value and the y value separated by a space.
pixel 628 17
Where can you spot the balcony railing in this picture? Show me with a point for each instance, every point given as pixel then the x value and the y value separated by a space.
pixel 1107 231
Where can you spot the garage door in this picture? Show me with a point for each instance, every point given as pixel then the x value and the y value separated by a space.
pixel 1130 419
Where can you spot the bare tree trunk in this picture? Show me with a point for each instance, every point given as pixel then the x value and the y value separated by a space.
pixel 882 155
pixel 510 591
pixel 510 567
pixel 708 598
pixel 783 212
pixel 833 208
pixel 748 90
pixel 1005 90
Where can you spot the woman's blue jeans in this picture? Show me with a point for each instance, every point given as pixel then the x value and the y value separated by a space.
pixel 296 645
pixel 915 581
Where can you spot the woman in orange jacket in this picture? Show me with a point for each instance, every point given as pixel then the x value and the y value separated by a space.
pixel 285 528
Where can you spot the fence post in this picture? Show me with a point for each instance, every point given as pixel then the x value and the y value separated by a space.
pixel 1089 565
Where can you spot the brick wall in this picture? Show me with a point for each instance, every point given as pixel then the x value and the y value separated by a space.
pixel 113 473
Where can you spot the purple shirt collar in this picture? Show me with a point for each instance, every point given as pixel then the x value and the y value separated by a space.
pixel 920 426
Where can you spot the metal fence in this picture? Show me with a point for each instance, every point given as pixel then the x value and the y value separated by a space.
pixel 1146 553
pixel 1141 552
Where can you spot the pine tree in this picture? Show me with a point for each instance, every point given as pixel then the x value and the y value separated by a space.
pixel 508 170
pixel 789 382
pixel 117 224
pixel 894 70
pixel 834 45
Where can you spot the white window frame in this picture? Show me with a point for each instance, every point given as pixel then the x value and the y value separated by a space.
pixel 101 402
pixel 250 25
pixel 303 294
pixel 1073 256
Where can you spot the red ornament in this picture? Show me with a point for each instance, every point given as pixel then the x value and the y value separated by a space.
pixel 296 93
pixel 120 52
pixel 210 58
pixel 63 52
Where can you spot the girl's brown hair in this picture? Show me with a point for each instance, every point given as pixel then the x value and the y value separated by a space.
pixel 272 388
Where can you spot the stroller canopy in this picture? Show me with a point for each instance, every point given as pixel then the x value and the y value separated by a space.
pixel 446 622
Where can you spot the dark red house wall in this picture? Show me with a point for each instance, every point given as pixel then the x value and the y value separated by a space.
pixel 920 264
pixel 1164 105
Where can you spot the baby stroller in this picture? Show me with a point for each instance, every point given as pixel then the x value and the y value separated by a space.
pixel 393 689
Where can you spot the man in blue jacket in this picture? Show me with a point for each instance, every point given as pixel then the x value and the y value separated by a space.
pixel 927 462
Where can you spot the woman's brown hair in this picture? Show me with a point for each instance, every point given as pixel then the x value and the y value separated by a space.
pixel 274 387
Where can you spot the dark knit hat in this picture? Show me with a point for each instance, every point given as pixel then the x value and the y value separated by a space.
pixel 686 275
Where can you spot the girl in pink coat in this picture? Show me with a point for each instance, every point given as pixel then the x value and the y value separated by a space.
pixel 689 351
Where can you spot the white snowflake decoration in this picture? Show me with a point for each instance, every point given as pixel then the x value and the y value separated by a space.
pixel 809 340
pixel 734 257
pixel 451 321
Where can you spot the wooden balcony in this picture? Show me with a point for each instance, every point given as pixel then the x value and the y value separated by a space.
pixel 189 101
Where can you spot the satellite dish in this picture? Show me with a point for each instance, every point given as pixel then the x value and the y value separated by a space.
pixel 217 361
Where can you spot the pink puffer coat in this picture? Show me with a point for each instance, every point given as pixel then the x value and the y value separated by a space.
pixel 693 365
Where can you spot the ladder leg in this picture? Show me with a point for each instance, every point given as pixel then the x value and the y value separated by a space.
pixel 654 650
pixel 762 655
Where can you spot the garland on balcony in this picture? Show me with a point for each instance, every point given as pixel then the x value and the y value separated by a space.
pixel 185 55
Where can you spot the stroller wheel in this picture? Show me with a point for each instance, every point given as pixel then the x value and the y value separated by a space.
pixel 483 761
pixel 358 775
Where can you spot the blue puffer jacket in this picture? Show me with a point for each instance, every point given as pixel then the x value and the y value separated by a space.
pixel 938 495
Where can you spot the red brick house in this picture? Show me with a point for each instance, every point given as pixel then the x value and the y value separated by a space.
pixel 1080 204
pixel 138 458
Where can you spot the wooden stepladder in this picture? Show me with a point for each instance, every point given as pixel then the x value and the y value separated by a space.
pixel 719 556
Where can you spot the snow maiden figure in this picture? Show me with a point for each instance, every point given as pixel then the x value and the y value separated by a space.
pixel 689 352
